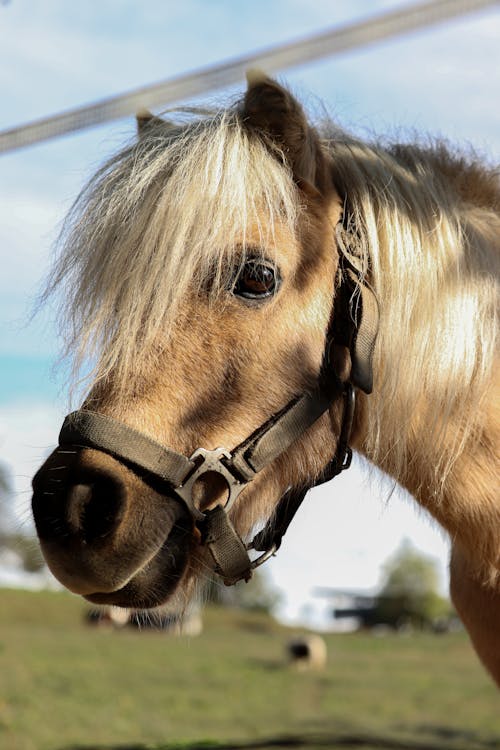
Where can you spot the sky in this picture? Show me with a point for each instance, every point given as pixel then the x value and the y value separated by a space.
pixel 55 55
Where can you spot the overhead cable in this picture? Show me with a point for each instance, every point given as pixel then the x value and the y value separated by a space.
pixel 215 77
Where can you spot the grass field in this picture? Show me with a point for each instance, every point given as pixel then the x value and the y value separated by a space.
pixel 64 685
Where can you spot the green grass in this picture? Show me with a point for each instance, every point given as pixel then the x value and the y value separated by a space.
pixel 65 685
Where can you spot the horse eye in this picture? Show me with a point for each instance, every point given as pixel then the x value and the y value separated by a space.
pixel 256 280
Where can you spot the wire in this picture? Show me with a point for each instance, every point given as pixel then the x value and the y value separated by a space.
pixel 326 44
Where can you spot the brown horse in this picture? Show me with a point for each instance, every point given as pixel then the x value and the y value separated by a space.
pixel 222 276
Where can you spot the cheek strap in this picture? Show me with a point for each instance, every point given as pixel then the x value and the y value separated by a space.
pixel 356 316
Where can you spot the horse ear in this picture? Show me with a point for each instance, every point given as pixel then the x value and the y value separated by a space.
pixel 146 120
pixel 272 110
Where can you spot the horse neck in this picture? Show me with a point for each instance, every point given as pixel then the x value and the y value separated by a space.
pixel 433 264
pixel 444 452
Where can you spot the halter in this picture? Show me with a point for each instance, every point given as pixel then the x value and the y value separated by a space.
pixel 354 325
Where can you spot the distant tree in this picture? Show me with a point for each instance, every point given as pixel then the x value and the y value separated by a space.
pixel 5 499
pixel 25 547
pixel 4 481
pixel 257 595
pixel 28 551
pixel 410 592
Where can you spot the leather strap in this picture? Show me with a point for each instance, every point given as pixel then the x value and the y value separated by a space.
pixel 91 430
pixel 228 551
pixel 276 527
pixel 356 316
pixel 278 433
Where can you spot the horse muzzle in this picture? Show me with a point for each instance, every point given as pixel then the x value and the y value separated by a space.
pixel 108 533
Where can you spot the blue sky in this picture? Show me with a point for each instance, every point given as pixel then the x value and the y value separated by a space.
pixel 55 55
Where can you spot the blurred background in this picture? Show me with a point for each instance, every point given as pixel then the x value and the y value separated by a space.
pixel 54 55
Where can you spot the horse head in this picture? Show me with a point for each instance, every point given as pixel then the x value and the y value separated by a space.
pixel 204 265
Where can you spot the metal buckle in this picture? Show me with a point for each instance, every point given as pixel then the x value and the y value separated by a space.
pixel 264 557
pixel 343 455
pixel 210 460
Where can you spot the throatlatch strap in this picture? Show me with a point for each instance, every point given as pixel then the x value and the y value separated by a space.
pixel 91 430
pixel 273 532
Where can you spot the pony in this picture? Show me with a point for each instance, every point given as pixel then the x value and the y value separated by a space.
pixel 220 272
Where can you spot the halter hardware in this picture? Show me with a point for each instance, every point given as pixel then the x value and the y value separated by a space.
pixel 205 461
pixel 354 325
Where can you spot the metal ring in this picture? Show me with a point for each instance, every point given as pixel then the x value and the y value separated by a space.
pixel 209 461
pixel 262 558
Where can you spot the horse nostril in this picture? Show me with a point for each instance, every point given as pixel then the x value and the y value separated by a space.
pixel 94 510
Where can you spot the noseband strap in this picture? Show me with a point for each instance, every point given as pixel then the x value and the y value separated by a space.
pixel 86 428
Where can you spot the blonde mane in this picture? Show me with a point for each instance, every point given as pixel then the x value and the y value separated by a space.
pixel 425 222
pixel 158 219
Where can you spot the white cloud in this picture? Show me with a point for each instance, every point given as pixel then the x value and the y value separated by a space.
pixel 93 51
pixel 65 55
pixel 28 224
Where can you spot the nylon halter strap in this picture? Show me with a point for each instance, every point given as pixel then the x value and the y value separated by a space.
pixel 354 325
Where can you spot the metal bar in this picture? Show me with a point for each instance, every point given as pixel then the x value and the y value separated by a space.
pixel 327 44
